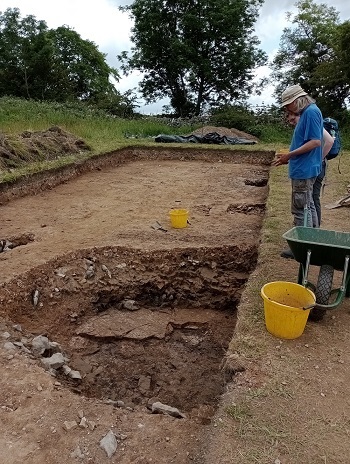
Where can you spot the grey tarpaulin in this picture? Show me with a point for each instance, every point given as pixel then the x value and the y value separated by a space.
pixel 211 137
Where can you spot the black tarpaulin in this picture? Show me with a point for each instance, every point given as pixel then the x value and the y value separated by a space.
pixel 210 138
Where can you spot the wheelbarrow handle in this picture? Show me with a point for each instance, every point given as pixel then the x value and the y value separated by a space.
pixel 306 213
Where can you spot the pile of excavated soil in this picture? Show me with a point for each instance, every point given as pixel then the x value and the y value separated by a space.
pixel 224 131
pixel 28 147
pixel 16 151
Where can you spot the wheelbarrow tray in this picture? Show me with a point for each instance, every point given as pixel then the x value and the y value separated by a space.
pixel 326 246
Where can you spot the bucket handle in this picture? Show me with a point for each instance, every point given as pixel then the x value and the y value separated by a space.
pixel 311 306
pixel 304 308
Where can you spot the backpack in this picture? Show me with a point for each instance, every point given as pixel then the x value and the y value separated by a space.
pixel 331 126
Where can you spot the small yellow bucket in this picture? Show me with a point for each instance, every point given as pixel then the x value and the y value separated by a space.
pixel 283 308
pixel 178 218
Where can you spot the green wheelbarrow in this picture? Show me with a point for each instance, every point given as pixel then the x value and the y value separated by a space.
pixel 328 249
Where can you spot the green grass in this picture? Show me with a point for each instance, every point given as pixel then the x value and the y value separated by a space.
pixel 100 131
pixel 105 133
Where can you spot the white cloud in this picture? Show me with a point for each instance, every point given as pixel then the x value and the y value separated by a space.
pixel 99 21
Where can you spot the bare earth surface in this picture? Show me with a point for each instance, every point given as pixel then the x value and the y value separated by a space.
pixel 145 313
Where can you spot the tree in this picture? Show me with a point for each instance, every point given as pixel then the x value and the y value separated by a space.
pixel 78 69
pixel 333 75
pixel 55 64
pixel 18 40
pixel 194 51
pixel 310 54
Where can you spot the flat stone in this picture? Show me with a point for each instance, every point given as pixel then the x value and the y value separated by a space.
pixel 70 425
pixel 109 444
pixel 160 408
pixel 9 346
pixel 142 324
pixel 136 325
pixel 192 317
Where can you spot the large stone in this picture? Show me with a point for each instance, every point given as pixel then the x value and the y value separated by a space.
pixel 53 362
pixel 109 444
pixel 160 408
pixel 40 344
pixel 137 325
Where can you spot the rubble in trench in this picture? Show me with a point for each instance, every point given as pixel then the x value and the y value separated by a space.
pixel 133 328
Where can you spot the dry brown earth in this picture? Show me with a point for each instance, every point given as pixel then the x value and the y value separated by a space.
pixel 146 314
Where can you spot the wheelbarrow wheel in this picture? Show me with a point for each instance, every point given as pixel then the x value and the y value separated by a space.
pixel 323 291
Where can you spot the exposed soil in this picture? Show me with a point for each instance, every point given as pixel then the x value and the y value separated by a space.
pixel 290 402
pixel 232 132
pixel 146 313
pixel 143 313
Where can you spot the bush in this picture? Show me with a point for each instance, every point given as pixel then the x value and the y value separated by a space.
pixel 233 116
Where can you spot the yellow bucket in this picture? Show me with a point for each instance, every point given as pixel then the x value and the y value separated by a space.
pixel 283 308
pixel 178 218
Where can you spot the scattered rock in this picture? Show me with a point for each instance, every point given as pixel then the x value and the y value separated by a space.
pixel 160 408
pixel 55 347
pixel 66 369
pixel 144 384
pixel 40 344
pixel 77 453
pixel 74 375
pixel 61 272
pixel 130 305
pixel 92 425
pixel 9 346
pixel 106 270
pixel 35 298
pixel 84 423
pixel 70 425
pixel 90 272
pixel 109 444
pixel 116 404
pixel 53 362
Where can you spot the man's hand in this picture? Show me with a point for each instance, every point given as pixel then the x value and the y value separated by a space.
pixel 281 158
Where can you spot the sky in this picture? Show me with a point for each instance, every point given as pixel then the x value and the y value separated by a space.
pixel 101 22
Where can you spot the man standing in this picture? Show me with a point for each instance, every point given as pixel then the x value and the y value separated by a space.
pixel 305 155
pixel 327 143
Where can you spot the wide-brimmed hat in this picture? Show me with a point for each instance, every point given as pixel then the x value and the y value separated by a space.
pixel 292 93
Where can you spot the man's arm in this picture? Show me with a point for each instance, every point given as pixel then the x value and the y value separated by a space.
pixel 308 146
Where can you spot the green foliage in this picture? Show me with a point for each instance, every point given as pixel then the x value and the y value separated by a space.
pixel 233 116
pixel 266 123
pixel 55 65
pixel 314 52
pixel 77 69
pixel 104 132
pixel 194 52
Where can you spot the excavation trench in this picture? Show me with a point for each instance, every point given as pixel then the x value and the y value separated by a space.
pixel 141 313
pixel 138 326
